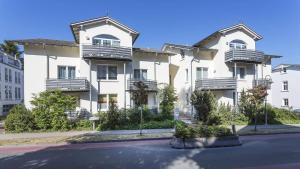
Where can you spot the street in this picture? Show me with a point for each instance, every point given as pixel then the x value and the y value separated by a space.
pixel 280 151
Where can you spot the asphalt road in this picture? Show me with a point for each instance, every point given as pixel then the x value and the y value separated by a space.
pixel 263 152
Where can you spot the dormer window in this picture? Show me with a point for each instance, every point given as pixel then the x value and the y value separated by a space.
pixel 106 40
pixel 237 44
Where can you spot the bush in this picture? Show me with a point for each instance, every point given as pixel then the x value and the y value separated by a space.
pixel 19 119
pixel 183 131
pixel 159 124
pixel 204 103
pixel 167 96
pixel 216 131
pixel 84 124
pixel 49 110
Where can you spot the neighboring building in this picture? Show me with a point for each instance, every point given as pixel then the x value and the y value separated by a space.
pixel 102 64
pixel 285 89
pixel 11 83
pixel 226 63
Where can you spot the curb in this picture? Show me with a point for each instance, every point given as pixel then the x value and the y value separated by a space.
pixel 275 133
pixel 122 140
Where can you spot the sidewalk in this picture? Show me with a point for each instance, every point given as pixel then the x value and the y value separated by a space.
pixel 129 132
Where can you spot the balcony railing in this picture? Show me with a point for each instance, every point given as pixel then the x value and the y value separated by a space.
pixel 78 84
pixel 216 84
pixel 151 85
pixel 106 52
pixel 263 82
pixel 244 55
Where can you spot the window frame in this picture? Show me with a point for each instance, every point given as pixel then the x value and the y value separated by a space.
pixel 284 102
pixel 66 72
pixel 202 73
pixel 140 73
pixel 107 96
pixel 285 86
pixel 107 72
pixel 238 74
pixel 112 42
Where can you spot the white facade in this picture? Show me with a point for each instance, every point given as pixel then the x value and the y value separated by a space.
pixel 208 57
pixel 102 64
pixel 11 83
pixel 285 89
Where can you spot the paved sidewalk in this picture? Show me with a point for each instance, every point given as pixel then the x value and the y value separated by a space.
pixel 42 134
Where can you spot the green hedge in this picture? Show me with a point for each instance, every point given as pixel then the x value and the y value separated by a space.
pixel 183 130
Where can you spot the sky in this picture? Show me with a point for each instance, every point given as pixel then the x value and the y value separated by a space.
pixel 160 21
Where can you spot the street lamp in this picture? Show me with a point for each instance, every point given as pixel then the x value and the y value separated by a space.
pixel 268 81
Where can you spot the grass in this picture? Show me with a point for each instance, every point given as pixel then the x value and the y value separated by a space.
pixel 84 138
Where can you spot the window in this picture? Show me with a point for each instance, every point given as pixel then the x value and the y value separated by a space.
pixel 241 72
pixel 19 93
pixel 283 70
pixel 6 92
pixel 19 77
pixel 285 86
pixel 187 99
pixel 140 74
pixel 71 72
pixel 10 92
pixel 106 40
pixel 201 73
pixel 16 93
pixel 66 72
pixel 61 72
pixel 105 99
pixel 7 107
pixel 187 75
pixel 9 75
pixel 234 98
pixel 16 77
pixel 237 44
pixel 6 74
pixel 106 72
pixel 285 102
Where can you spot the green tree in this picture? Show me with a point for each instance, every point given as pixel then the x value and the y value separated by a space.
pixel 49 109
pixel 139 94
pixel 251 102
pixel 113 115
pixel 10 48
pixel 19 119
pixel 168 98
pixel 204 103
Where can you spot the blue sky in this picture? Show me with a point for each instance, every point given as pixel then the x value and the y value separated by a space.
pixel 158 21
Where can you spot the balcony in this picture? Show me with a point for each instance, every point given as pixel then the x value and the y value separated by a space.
pixel 263 82
pixel 151 85
pixel 244 55
pixel 216 84
pixel 106 52
pixel 76 85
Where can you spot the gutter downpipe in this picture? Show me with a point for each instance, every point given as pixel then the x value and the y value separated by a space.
pixel 45 50
pixel 191 90
pixel 90 72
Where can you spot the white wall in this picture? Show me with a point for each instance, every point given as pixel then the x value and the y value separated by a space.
pixel 292 94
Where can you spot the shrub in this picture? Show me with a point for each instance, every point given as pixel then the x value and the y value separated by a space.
pixel 84 124
pixel 183 131
pixel 159 124
pixel 19 119
pixel 204 103
pixel 216 131
pixel 167 96
pixel 49 109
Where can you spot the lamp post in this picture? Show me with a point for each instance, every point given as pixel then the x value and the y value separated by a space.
pixel 141 122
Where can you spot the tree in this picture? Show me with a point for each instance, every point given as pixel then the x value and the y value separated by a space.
pixel 168 98
pixel 252 100
pixel 10 48
pixel 19 119
pixel 204 103
pixel 139 95
pixel 113 115
pixel 49 109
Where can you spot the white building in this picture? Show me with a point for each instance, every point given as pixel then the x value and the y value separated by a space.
pixel 102 64
pixel 285 89
pixel 226 62
pixel 11 83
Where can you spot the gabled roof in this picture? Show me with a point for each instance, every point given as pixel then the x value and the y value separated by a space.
pixel 220 32
pixel 40 41
pixel 283 65
pixel 76 26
